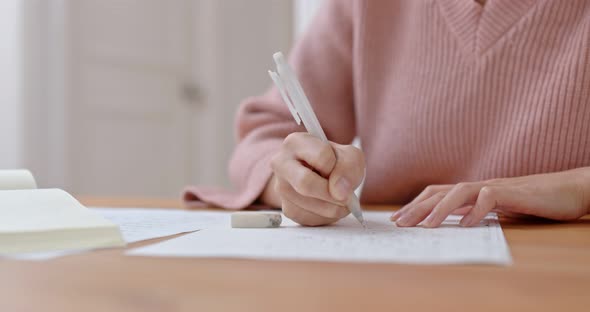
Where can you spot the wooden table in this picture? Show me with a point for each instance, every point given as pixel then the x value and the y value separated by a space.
pixel 551 273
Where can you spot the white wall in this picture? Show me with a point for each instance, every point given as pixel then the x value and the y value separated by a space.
pixel 42 76
pixel 10 84
pixel 228 63
pixel 304 12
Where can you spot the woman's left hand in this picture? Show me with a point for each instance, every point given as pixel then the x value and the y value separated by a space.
pixel 561 196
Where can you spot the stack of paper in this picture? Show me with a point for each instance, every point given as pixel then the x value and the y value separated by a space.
pixel 38 220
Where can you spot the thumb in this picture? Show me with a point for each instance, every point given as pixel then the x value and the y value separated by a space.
pixel 348 173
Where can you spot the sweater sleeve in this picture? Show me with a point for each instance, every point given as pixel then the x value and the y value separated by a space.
pixel 322 60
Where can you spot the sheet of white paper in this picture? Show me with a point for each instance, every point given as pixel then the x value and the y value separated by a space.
pixel 347 241
pixel 137 224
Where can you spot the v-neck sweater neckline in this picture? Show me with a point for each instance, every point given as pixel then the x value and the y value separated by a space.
pixel 478 27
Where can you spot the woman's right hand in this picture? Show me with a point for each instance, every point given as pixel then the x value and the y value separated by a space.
pixel 313 181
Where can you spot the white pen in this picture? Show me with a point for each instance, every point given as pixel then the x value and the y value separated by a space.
pixel 299 106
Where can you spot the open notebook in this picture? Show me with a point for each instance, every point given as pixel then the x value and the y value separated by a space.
pixel 35 220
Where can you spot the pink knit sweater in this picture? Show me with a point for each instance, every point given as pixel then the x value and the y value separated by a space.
pixel 439 91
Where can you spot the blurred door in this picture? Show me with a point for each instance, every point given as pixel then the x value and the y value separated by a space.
pixel 149 90
pixel 131 96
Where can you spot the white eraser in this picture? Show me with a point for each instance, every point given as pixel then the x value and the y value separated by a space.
pixel 256 219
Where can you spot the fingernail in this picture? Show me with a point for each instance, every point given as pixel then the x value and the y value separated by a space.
pixel 395 216
pixel 466 221
pixel 403 221
pixel 342 189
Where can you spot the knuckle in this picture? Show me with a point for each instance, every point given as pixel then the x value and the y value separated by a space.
pixel 291 141
pixel 487 192
pixel 354 162
pixel 431 190
pixel 326 157
pixel 351 160
pixel 436 188
pixel 354 154
pixel 495 181
pixel 440 194
pixel 303 183
pixel 461 187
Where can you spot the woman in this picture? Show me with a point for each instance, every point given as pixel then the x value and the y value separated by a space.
pixel 461 106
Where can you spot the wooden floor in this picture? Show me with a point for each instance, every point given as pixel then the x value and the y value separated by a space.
pixel 551 272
